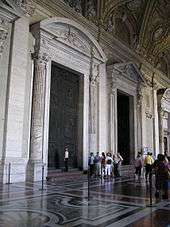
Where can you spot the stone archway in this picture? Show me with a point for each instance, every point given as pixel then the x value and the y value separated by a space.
pixel 67 43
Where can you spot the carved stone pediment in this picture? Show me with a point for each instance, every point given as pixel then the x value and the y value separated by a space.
pixel 130 71
pixel 73 35
pixel 69 35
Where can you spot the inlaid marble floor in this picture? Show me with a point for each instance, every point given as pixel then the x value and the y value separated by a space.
pixel 121 202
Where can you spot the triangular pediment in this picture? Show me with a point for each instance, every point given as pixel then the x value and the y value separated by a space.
pixel 130 71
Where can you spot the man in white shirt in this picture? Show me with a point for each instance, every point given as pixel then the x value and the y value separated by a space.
pixel 109 164
pixel 66 156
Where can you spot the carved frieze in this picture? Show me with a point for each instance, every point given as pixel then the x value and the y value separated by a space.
pixel 26 6
pixel 4 31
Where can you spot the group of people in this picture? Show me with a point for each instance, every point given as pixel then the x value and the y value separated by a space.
pixel 105 165
pixel 159 167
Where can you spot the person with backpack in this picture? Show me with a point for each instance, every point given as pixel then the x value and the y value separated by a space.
pixel 109 163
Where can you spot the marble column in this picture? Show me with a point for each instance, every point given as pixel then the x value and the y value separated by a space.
pixel 113 117
pixel 139 118
pixel 161 134
pixel 36 156
pixel 93 106
pixel 5 36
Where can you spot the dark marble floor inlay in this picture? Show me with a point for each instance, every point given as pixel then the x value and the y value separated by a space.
pixel 111 203
pixel 159 218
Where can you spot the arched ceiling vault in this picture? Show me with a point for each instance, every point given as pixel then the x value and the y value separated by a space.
pixel 143 25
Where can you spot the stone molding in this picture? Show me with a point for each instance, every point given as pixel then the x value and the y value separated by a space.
pixel 26 6
pixel 17 8
pixel 4 32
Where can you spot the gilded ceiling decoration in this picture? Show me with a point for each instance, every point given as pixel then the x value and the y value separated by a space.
pixel 143 25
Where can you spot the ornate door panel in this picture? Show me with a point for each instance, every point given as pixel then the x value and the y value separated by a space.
pixel 63 126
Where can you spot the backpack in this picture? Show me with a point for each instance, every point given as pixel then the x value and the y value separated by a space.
pixel 109 162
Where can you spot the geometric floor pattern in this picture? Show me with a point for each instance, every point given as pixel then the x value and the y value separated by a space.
pixel 114 203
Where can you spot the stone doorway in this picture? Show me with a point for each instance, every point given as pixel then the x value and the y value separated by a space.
pixel 65 122
pixel 125 117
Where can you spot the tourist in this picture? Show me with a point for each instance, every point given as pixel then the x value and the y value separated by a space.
pixel 148 162
pixel 109 164
pixel 91 164
pixel 115 166
pixel 138 166
pixel 103 164
pixel 97 160
pixel 120 160
pixel 161 177
pixel 66 156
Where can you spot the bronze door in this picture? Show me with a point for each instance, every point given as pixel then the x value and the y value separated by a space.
pixel 64 103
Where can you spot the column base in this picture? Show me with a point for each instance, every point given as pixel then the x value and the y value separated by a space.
pixel 35 171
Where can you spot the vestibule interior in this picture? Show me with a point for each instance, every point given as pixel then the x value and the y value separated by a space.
pixel 66 117
pixel 125 119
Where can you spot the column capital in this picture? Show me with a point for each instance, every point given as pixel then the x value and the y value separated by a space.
pixel 40 57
